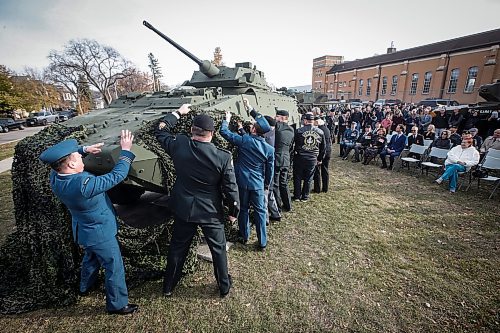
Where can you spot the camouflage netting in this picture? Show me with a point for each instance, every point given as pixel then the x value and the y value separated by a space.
pixel 40 263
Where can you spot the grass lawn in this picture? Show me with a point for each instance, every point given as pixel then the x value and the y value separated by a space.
pixel 386 252
pixel 7 150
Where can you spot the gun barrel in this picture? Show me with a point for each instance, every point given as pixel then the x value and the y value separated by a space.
pixel 177 46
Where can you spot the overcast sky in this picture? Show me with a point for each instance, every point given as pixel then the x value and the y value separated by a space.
pixel 280 37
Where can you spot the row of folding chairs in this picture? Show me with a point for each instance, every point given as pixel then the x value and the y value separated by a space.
pixel 491 164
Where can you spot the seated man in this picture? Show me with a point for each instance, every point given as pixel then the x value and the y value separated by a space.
pixel 460 159
pixel 415 139
pixel 363 141
pixel 477 141
pixel 491 142
pixel 455 138
pixel 376 146
pixel 394 147
pixel 349 140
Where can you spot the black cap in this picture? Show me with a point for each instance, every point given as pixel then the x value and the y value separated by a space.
pixel 270 120
pixel 309 116
pixel 204 121
pixel 282 113
pixel 316 117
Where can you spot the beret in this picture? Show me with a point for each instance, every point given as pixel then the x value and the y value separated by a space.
pixel 58 151
pixel 261 120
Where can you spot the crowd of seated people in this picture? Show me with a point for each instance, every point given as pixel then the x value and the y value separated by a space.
pixel 386 132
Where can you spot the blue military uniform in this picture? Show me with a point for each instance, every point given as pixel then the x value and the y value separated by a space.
pixel 254 171
pixel 93 219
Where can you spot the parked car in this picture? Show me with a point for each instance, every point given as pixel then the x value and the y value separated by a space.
pixel 382 102
pixel 42 118
pixel 8 124
pixel 356 105
pixel 66 114
pixel 435 102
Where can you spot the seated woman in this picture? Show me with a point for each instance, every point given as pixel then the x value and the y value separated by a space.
pixel 430 134
pixel 387 122
pixel 443 141
pixel 460 159
pixel 376 146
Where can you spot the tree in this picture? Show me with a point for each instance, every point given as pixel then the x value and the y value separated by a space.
pixel 136 81
pixel 156 71
pixel 218 57
pixel 102 65
pixel 9 98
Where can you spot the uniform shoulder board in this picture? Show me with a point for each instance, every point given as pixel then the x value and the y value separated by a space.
pixel 85 182
pixel 224 150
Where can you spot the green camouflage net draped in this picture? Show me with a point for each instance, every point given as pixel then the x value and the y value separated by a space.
pixel 40 263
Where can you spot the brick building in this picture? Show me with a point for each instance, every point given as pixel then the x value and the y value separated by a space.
pixel 452 69
pixel 321 66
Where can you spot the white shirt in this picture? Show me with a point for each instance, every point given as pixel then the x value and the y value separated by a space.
pixel 468 155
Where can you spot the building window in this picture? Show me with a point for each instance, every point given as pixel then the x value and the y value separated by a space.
pixel 345 84
pixel 471 79
pixel 414 83
pixel 368 87
pixel 384 86
pixel 394 86
pixel 427 82
pixel 452 87
pixel 360 90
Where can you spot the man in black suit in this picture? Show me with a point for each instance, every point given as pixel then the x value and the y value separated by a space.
pixel 321 173
pixel 283 146
pixel 204 176
pixel 414 139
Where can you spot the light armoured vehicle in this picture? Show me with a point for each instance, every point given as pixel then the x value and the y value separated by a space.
pixel 211 88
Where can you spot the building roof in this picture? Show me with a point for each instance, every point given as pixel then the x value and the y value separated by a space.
pixel 482 39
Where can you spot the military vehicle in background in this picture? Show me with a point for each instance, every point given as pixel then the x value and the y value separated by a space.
pixel 491 93
pixel 211 88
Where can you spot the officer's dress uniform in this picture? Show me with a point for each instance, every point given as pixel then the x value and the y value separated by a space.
pixel 284 134
pixel 309 150
pixel 204 173
pixel 254 170
pixel 94 224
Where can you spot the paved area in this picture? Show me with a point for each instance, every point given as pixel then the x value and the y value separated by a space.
pixel 6 164
pixel 15 135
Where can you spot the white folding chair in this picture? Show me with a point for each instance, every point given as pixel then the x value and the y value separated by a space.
pixel 414 149
pixel 437 153
pixel 427 143
pixel 492 164
pixel 493 153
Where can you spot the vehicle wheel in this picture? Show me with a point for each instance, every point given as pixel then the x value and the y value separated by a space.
pixel 125 194
pixel 44 122
pixel 5 130
pixel 21 127
pixel 57 121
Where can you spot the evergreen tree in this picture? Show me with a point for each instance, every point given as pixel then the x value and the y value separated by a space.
pixel 156 71
pixel 84 94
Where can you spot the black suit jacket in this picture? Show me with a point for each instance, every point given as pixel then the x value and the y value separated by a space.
pixel 205 175
pixel 283 144
pixel 419 140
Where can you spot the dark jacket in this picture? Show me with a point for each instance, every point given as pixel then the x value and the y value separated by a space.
pixel 328 139
pixel 397 144
pixel 283 144
pixel 204 175
pixel 455 139
pixel 309 143
pixel 93 215
pixel 441 143
pixel 455 120
pixel 439 121
pixel 418 140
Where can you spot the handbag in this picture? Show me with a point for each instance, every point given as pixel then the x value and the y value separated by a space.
pixel 480 173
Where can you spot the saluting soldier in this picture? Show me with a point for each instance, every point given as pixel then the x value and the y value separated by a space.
pixel 93 216
pixel 205 176
pixel 309 151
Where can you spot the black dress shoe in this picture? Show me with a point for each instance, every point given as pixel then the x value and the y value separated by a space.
pixel 276 219
pixel 225 293
pixel 130 308
pixel 383 167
